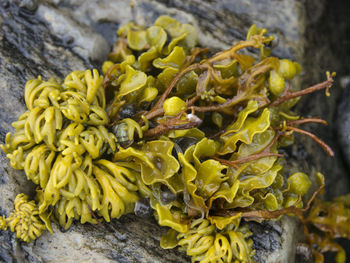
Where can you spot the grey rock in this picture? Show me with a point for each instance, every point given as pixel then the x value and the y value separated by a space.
pixel 343 123
pixel 52 38
pixel 274 241
pixel 326 48
pixel 121 240
pixel 219 22
pixel 82 39
pixel 30 5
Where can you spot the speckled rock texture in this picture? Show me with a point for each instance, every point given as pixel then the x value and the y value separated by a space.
pixel 53 37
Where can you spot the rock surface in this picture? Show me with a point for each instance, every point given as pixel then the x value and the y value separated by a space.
pixel 343 123
pixel 52 38
pixel 326 48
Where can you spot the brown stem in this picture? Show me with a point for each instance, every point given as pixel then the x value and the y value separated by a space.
pixel 94 216
pixel 161 100
pixel 194 53
pixel 290 95
pixel 261 154
pixel 245 88
pixel 307 120
pixel 173 124
pixel 216 134
pixel 229 103
pixel 246 159
pixel 324 146
pixel 253 42
pixel 153 113
pixel 312 198
pixel 173 83
pixel 192 101
pixel 156 131
pixel 107 79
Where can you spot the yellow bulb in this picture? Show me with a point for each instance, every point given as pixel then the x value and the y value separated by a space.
pixel 106 65
pixel 287 69
pixel 299 183
pixel 173 106
pixel 276 83
pixel 298 67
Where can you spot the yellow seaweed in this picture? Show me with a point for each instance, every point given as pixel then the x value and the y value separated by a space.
pixel 166 99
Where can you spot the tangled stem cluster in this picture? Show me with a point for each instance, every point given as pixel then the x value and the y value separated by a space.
pixel 197 137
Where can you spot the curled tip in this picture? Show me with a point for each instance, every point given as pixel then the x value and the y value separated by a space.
pixel 330 79
pixel 320 178
pixel 263 31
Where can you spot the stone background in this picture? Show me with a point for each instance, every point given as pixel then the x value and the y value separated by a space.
pixel 52 38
